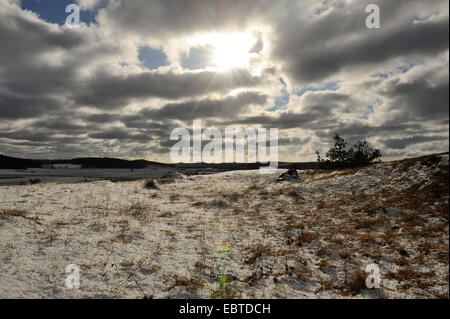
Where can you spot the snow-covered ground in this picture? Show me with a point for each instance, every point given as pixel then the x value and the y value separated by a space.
pixel 308 239
pixel 68 175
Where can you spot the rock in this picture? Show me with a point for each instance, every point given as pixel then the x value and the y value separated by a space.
pixel 403 252
pixel 392 212
pixel 291 175
pixel 170 175
pixel 163 181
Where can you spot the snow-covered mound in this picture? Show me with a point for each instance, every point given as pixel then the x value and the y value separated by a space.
pixel 311 238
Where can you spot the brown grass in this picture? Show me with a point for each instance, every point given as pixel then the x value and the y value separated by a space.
pixel 355 282
pixel 191 284
pixel 136 210
pixel 325 285
pixel 305 238
pixel 21 214
pixel 409 274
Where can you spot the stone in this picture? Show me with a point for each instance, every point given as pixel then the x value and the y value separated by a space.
pixel 403 252
pixel 392 212
pixel 290 175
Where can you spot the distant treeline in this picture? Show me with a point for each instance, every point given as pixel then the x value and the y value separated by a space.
pixel 7 162
pixel 92 162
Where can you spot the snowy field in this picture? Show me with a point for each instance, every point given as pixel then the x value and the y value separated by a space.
pixel 64 175
pixel 307 239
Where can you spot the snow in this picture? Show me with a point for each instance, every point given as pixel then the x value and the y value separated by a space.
pixel 286 239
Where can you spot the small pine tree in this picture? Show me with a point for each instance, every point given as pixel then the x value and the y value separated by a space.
pixel 364 154
pixel 338 153
pixel 339 156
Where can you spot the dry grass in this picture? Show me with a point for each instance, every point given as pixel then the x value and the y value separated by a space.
pixel 409 274
pixel 21 214
pixel 325 285
pixel 305 238
pixel 191 284
pixel 137 210
pixel 355 282
pixel 218 203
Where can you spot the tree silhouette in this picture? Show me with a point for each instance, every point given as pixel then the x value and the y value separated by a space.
pixel 339 156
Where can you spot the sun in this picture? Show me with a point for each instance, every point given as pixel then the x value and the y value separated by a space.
pixel 227 51
pixel 231 51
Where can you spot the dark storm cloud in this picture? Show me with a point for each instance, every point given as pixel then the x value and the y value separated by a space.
pixel 107 91
pixel 401 143
pixel 316 109
pixel 17 107
pixel 20 32
pixel 30 85
pixel 363 130
pixel 27 135
pixel 420 99
pixel 139 121
pixel 229 107
pixel 340 39
pixel 25 42
pixel 428 38
pixel 61 124
pixel 120 134
pixel 285 120
pixel 291 141
pixel 100 118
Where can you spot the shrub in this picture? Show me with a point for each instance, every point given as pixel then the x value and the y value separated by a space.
pixel 150 184
pixel 355 282
pixel 34 181
pixel 340 156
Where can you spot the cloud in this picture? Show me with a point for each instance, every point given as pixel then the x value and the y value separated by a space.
pixel 120 134
pixel 19 107
pixel 227 108
pixel 89 4
pixel 160 19
pixel 401 143
pixel 419 98
pixel 338 41
pixel 106 91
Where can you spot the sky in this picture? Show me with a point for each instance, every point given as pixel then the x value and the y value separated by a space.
pixel 135 70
